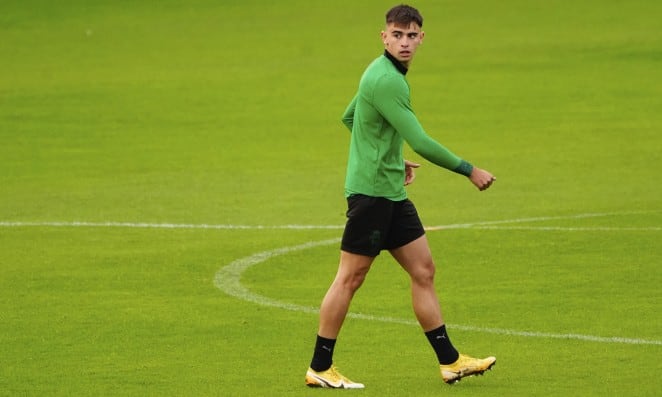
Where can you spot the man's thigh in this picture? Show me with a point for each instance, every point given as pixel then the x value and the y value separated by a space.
pixel 415 257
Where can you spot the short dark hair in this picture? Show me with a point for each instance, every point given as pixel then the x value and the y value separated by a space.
pixel 403 15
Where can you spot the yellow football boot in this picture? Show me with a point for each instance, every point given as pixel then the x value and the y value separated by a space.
pixel 465 366
pixel 330 378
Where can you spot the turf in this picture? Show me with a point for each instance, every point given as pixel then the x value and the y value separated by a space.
pixel 124 114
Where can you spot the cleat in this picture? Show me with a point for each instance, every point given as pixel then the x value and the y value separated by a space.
pixel 465 366
pixel 330 378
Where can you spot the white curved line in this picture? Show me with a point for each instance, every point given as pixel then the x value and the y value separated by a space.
pixel 228 280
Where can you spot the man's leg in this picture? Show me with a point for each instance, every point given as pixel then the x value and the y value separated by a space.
pixel 352 271
pixel 416 259
pixel 335 305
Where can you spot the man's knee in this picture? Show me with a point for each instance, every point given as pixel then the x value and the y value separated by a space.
pixel 353 270
pixel 353 280
pixel 423 273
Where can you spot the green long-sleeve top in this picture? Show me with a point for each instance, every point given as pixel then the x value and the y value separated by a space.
pixel 381 119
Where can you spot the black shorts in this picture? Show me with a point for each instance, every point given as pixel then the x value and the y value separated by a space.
pixel 377 223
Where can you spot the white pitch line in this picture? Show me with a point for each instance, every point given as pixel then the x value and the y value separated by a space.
pixel 479 225
pixel 487 225
pixel 491 224
pixel 228 280
pixel 572 229
pixel 145 225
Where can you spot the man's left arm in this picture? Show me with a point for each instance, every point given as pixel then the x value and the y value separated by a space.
pixel 393 104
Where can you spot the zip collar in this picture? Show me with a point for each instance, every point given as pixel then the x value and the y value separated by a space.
pixel 401 68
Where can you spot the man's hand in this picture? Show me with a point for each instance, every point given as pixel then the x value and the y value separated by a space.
pixel 481 178
pixel 410 175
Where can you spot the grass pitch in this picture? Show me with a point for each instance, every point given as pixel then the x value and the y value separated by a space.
pixel 126 127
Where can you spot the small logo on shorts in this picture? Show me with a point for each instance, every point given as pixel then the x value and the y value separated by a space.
pixel 375 238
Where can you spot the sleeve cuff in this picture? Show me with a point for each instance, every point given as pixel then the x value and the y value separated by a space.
pixel 464 168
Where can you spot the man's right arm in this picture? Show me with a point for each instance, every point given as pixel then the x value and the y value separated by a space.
pixel 348 116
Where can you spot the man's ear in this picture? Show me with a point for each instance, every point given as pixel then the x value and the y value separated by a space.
pixel 422 35
pixel 382 36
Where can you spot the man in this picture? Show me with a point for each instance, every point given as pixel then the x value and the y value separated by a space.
pixel 379 215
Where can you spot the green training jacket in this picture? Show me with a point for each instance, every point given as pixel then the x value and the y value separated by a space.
pixel 381 119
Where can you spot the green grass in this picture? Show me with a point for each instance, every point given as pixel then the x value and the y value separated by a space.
pixel 228 114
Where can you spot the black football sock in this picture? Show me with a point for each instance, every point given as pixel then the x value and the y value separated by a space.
pixel 442 345
pixel 323 356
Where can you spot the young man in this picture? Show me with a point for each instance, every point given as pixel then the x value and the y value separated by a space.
pixel 379 215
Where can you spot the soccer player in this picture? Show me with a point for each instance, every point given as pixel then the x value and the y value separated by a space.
pixel 379 215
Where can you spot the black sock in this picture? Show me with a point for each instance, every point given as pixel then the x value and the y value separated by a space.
pixel 442 345
pixel 323 356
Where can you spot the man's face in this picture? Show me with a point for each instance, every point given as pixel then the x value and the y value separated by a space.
pixel 402 41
